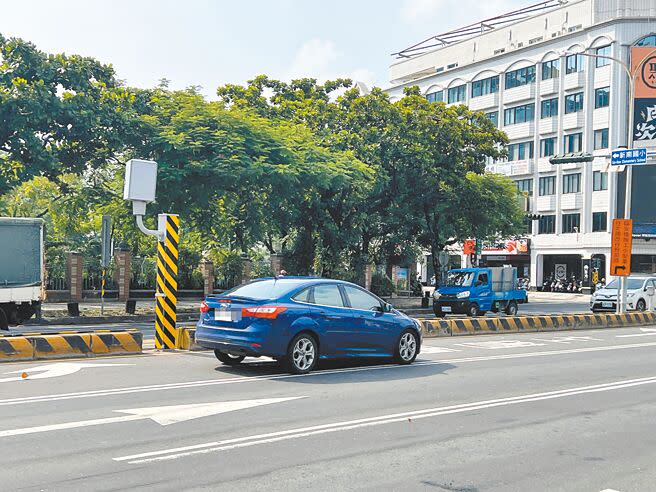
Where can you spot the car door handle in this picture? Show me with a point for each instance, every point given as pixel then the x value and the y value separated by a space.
pixel 333 317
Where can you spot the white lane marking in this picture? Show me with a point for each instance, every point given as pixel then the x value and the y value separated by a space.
pixel 167 415
pixel 54 370
pixel 567 340
pixel 175 453
pixel 429 349
pixel 500 344
pixel 645 333
pixel 249 379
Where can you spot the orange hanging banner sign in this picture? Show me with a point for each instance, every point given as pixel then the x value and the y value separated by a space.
pixel 620 255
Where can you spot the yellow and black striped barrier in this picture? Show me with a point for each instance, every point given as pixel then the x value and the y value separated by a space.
pixel 167 285
pixel 31 346
pixel 187 340
pixel 518 324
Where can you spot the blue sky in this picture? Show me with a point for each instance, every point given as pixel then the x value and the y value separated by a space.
pixel 208 43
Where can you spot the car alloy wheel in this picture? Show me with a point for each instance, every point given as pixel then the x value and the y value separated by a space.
pixel 303 354
pixel 641 305
pixel 406 351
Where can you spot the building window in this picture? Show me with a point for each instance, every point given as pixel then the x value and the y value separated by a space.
pixel 547 185
pixel 574 63
pixel 574 103
pixel 572 183
pixel 485 86
pixel 494 117
pixel 547 147
pixel 525 185
pixel 520 151
pixel 573 143
pixel 603 51
pixel 549 108
pixel 435 96
pixel 602 97
pixel 550 69
pixel 520 77
pixel 456 94
pixel 599 181
pixel 547 224
pixel 518 114
pixel 571 223
pixel 601 139
pixel 599 221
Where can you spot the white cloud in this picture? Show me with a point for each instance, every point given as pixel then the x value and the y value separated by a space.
pixel 448 14
pixel 314 59
pixel 320 59
pixel 413 10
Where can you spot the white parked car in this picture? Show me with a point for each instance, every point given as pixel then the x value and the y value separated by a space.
pixel 605 299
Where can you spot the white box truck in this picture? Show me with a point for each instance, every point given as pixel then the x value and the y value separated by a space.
pixel 22 269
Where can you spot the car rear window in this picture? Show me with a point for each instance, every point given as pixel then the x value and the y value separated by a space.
pixel 265 289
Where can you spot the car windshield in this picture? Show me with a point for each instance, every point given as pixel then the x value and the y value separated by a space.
pixel 459 279
pixel 631 284
pixel 265 289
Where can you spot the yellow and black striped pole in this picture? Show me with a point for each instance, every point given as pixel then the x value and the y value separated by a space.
pixel 167 284
pixel 102 293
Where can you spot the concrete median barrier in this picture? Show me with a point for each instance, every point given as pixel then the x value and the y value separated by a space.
pixel 519 324
pixel 436 328
pixel 61 345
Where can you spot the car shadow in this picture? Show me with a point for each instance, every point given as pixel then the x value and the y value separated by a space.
pixel 342 370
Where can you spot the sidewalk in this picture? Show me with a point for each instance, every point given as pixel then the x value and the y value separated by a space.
pixel 557 296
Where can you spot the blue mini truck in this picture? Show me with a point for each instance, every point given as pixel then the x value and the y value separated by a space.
pixel 474 291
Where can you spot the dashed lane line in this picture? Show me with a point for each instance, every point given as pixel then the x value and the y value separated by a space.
pixel 249 379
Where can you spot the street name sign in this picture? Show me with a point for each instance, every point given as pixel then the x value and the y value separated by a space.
pixel 626 157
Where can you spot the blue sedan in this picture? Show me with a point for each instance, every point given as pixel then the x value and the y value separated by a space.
pixel 299 320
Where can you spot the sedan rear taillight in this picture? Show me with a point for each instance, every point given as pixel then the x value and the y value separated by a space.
pixel 266 312
pixel 204 308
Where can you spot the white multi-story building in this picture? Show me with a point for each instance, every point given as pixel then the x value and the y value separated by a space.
pixel 522 70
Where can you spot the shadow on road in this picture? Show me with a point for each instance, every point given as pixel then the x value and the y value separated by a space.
pixel 343 370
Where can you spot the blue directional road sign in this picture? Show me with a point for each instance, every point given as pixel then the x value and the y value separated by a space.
pixel 626 157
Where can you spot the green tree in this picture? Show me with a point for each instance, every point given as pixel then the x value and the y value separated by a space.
pixel 428 161
pixel 242 179
pixel 59 113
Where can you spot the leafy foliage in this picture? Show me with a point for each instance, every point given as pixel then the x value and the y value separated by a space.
pixel 332 179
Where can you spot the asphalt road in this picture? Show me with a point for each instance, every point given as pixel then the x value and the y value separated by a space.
pixel 549 411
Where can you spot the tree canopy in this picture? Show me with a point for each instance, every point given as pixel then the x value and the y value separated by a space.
pixel 329 177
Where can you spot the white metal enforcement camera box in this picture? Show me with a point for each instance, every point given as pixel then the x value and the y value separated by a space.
pixel 140 181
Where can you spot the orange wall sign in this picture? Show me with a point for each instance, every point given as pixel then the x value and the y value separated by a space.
pixel 469 247
pixel 643 61
pixel 620 255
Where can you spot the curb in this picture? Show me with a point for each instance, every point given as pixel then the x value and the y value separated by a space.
pixel 64 345
pixel 97 320
pixel 518 324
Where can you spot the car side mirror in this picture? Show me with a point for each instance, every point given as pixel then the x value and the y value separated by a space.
pixel 387 307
